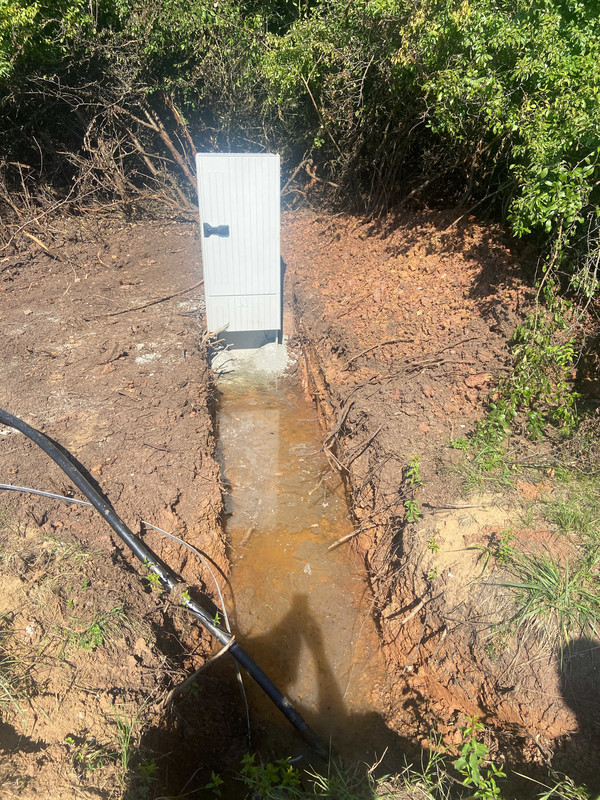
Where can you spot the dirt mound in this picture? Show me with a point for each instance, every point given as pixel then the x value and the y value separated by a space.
pixel 102 349
pixel 406 330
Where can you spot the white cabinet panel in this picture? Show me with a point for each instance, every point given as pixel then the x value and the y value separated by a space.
pixel 240 217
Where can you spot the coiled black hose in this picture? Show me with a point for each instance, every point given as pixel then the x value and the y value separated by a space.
pixel 168 577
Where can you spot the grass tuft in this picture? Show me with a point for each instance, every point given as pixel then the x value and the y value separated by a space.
pixel 559 601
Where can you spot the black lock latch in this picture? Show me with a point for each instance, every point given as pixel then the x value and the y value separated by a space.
pixel 217 230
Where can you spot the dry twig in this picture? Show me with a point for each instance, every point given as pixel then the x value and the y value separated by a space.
pixel 151 303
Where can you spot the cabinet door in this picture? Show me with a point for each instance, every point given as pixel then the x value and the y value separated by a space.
pixel 239 203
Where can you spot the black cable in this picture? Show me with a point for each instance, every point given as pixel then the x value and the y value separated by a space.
pixel 168 577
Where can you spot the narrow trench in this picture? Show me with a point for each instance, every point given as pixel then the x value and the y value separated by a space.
pixel 303 612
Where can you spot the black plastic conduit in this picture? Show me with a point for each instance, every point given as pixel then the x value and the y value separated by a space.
pixel 168 577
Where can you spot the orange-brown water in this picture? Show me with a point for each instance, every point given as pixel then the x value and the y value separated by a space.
pixel 303 612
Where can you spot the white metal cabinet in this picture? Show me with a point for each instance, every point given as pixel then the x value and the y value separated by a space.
pixel 239 202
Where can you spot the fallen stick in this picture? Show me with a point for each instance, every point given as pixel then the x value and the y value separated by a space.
pixel 433 509
pixel 375 346
pixel 413 612
pixel 52 253
pixel 151 303
pixel 295 172
pixel 363 447
pixel 339 424
pixel 349 536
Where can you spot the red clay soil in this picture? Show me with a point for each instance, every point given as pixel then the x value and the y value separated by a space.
pixel 101 330
pixel 406 330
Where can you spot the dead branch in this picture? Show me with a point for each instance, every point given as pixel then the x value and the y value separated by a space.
pixel 52 253
pixel 153 171
pixel 151 303
pixel 139 198
pixel 374 347
pixel 438 509
pixel 320 115
pixel 409 616
pixel 180 123
pixel 152 116
pixel 301 165
pixel 315 178
pixel 339 424
pixel 362 447
pixel 349 536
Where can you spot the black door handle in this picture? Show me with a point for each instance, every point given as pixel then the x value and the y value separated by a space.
pixel 217 230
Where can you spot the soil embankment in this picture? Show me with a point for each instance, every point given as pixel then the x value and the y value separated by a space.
pixel 406 331
pixel 102 349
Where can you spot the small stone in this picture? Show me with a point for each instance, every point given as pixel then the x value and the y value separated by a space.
pixel 477 381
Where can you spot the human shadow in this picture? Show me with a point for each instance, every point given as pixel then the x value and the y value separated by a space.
pixel 12 741
pixel 579 675
pixel 204 730
pixel 296 656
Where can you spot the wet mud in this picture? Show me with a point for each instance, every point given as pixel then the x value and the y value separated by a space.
pixel 304 612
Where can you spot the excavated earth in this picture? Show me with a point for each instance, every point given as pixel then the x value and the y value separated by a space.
pixel 103 349
pixel 404 331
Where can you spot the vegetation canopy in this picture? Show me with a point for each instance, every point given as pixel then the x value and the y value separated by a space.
pixel 497 101
pixel 489 104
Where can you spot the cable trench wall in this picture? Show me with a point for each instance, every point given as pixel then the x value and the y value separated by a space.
pixel 167 576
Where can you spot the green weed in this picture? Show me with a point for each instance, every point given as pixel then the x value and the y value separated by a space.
pixel 412 480
pixel 485 468
pixel 412 473
pixel 426 780
pixel 215 785
pixel 413 511
pixel 561 788
pixel 460 443
pixel 127 734
pixel 500 548
pixel 471 776
pixel 103 628
pixel 88 755
pixel 539 393
pixel 575 506
pixel 474 765
pixel 559 601
pixel 146 777
pixel 343 782
pixel 154 580
pixel 271 781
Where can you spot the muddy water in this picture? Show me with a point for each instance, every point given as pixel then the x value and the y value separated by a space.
pixel 301 611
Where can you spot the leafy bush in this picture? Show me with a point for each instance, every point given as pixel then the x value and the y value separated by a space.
pixel 540 386
pixel 488 101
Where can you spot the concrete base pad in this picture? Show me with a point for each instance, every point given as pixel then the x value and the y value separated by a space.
pixel 250 355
